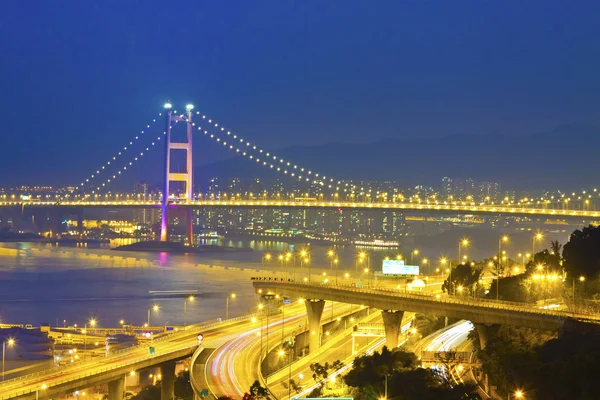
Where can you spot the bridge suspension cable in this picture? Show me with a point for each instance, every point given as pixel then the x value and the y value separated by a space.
pixel 130 163
pixel 101 169
pixel 244 147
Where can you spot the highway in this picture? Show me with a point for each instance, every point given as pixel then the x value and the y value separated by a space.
pixel 454 337
pixel 234 365
pixel 175 346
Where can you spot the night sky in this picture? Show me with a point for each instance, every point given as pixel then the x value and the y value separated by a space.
pixel 80 78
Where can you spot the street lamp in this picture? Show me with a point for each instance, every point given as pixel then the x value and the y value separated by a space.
pixel 232 295
pixel 331 254
pixel 536 237
pixel 92 323
pixel 335 262
pixel 415 252
pixel 191 299
pixel 517 395
pixel 10 342
pixel 581 279
pixel 464 242
pixel 502 239
pixel 361 258
pixel 43 387
pixel 267 257
pixel 425 262
pixel 281 354
pixel 154 308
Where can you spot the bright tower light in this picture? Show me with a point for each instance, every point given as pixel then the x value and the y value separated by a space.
pixel 168 106
pixel 189 107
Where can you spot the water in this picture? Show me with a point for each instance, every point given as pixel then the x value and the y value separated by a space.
pixel 42 283
pixel 45 284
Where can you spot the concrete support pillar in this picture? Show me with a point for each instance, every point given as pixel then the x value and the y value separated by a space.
pixel 485 333
pixel 314 310
pixel 80 222
pixel 116 389
pixel 167 389
pixel 392 321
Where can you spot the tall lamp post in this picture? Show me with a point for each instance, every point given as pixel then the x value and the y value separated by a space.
pixel 10 342
pixel 414 253
pixel 581 279
pixel 154 308
pixel 266 257
pixel 232 295
pixel 502 239
pixel 331 254
pixel 335 262
pixel 191 299
pixel 538 236
pixel 464 242
pixel 92 323
pixel 425 262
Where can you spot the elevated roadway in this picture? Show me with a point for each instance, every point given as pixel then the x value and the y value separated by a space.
pixel 481 312
pixel 114 368
pixel 454 208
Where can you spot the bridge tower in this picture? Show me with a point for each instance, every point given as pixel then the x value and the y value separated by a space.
pixel 187 176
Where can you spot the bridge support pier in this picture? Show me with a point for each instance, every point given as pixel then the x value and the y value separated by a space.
pixel 167 389
pixel 392 321
pixel 80 222
pixel 314 310
pixel 116 389
pixel 485 333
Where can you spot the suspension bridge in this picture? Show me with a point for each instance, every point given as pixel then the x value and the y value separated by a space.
pixel 177 191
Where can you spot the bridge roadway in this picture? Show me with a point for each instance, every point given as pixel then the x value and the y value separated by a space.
pixel 113 369
pixel 320 205
pixel 481 312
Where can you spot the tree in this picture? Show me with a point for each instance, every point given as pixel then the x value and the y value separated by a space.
pixel 405 380
pixel 183 387
pixel 319 371
pixel 550 260
pixel 256 392
pixel 555 247
pixel 581 254
pixel 463 276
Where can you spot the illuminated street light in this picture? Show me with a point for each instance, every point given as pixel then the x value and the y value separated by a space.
pixel 191 299
pixel 232 295
pixel 168 106
pixel 502 239
pixel 538 236
pixel 10 342
pixel 154 308
pixel 189 107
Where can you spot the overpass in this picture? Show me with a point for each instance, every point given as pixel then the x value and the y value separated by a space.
pixel 487 315
pixel 114 368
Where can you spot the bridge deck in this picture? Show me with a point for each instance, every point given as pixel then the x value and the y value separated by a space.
pixel 391 206
pixel 476 310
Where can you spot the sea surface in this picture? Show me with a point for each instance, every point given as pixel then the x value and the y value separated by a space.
pixel 67 285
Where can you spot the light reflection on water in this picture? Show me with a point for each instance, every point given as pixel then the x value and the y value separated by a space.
pixel 45 283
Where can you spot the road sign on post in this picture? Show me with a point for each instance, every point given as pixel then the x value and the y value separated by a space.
pixel 287 301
